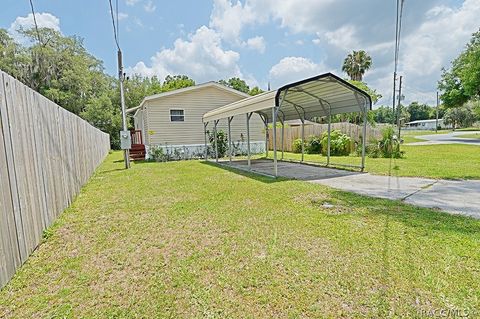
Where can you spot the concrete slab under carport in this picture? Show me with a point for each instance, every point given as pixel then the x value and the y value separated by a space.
pixel 289 169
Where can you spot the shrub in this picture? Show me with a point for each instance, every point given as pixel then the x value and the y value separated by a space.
pixel 387 147
pixel 314 145
pixel 157 154
pixel 222 142
pixel 339 143
pixel 297 145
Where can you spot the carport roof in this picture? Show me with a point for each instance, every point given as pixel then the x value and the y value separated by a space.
pixel 313 97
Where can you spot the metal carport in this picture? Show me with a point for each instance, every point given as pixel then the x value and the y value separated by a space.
pixel 320 96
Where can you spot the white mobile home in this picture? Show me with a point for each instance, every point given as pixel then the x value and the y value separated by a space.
pixel 426 125
pixel 173 120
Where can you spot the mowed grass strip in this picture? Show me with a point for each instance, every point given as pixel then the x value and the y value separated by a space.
pixel 447 161
pixel 471 135
pixel 193 240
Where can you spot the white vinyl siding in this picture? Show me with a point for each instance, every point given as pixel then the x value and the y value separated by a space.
pixel 195 103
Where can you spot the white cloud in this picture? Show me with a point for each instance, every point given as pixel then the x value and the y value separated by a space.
pixel 132 2
pixel 434 33
pixel 439 38
pixel 44 20
pixel 291 69
pixel 256 43
pixel 436 41
pixel 344 37
pixel 149 6
pixel 229 19
pixel 200 57
pixel 122 16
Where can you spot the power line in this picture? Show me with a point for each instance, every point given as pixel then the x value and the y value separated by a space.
pixel 35 23
pixel 114 24
pixel 116 11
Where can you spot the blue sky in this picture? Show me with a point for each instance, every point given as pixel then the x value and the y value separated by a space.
pixel 265 40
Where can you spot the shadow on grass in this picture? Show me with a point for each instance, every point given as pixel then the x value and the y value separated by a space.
pixel 108 171
pixel 253 175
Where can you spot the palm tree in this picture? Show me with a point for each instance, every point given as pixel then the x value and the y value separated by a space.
pixel 356 64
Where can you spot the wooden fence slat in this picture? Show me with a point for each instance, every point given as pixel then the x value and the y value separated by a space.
pixel 10 257
pixel 294 132
pixel 46 155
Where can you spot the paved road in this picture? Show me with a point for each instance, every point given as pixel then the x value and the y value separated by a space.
pixel 449 138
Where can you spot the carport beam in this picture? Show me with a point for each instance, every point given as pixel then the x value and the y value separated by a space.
pixel 274 127
pixel 329 130
pixel 230 138
pixel 205 136
pixel 283 136
pixel 303 138
pixel 265 122
pixel 364 135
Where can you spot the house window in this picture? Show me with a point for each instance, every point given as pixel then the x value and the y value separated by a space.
pixel 177 116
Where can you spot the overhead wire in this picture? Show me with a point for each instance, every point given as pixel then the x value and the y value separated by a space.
pixel 115 24
pixel 35 23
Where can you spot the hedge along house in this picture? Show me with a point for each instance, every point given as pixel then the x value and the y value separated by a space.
pixel 173 120
pixel 320 96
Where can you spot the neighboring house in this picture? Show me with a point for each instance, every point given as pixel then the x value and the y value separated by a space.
pixel 426 125
pixel 173 120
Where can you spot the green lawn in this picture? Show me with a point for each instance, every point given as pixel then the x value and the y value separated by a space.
pixel 192 240
pixel 448 161
pixel 472 135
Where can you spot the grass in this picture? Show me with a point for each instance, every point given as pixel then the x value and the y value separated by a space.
pixel 446 161
pixel 192 240
pixel 472 135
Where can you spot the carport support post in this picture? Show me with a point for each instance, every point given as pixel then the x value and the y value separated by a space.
pixel 303 139
pixel 215 139
pixel 205 136
pixel 248 140
pixel 274 127
pixel 265 121
pixel 329 130
pixel 283 136
pixel 230 138
pixel 364 135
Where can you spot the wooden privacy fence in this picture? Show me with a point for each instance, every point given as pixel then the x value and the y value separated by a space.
pixel 294 132
pixel 46 155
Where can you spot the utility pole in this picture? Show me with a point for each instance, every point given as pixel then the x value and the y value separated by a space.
pixel 126 151
pixel 436 115
pixel 394 99
pixel 399 107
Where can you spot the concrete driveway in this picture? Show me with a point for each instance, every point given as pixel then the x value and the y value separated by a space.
pixel 448 138
pixel 457 197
